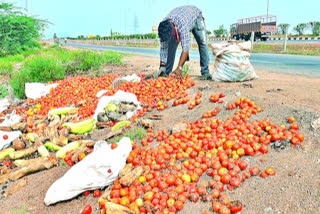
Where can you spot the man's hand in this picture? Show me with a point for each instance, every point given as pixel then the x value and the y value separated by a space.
pixel 177 73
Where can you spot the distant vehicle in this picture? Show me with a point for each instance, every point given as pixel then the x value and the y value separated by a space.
pixel 262 26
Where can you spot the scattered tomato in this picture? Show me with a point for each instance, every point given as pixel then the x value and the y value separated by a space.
pixel 87 209
pixel 96 193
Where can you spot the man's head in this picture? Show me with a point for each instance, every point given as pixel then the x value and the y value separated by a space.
pixel 165 30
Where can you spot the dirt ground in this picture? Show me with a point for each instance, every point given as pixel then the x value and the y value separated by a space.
pixel 295 188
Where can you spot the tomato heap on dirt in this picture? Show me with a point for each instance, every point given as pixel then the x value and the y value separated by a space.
pixel 212 146
pixel 82 90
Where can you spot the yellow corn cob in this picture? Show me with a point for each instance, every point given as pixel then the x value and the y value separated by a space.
pixel 4 153
pixel 43 151
pixel 81 127
pixel 69 147
pixel 120 125
pixel 62 111
pixel 32 137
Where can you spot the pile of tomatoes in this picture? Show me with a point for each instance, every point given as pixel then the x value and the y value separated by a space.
pixel 83 90
pixel 207 146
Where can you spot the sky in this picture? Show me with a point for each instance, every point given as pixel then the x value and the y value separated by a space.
pixel 97 17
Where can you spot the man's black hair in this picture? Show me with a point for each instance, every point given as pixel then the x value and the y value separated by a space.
pixel 165 30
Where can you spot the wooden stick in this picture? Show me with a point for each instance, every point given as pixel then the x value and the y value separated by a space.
pixel 35 166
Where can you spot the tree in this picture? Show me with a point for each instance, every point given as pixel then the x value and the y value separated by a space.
pixel 220 32
pixel 283 27
pixel 208 32
pixel 300 28
pixel 18 31
pixel 315 27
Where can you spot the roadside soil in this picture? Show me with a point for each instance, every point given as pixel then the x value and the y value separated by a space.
pixel 294 189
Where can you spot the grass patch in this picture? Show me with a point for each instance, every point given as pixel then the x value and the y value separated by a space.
pixel 7 63
pixel 54 63
pixel 36 69
pixel 3 91
pixel 133 133
pixel 308 49
pixel 22 210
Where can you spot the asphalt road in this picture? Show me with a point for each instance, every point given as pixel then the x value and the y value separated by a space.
pixel 300 65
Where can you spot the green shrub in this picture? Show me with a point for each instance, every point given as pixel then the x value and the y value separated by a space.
pixel 37 69
pixel 18 31
pixel 3 91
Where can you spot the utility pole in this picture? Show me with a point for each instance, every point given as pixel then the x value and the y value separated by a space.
pixel 285 37
pixel 252 40
pixel 268 9
pixel 26 5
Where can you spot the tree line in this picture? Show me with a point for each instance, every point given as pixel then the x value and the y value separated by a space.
pixel 300 29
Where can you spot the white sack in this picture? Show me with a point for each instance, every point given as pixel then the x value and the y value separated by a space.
pixel 101 92
pixel 37 90
pixel 90 173
pixel 10 119
pixel 232 62
pixel 119 96
pixel 11 137
pixel 4 104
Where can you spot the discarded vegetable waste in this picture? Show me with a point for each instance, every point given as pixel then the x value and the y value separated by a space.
pixel 160 178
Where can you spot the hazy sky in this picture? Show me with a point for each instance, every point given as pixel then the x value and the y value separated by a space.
pixel 85 17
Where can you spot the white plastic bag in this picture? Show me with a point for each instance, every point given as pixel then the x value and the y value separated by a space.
pixel 37 90
pixel 4 104
pixel 119 96
pixel 95 171
pixel 10 119
pixel 129 78
pixel 101 92
pixel 232 62
pixel 11 137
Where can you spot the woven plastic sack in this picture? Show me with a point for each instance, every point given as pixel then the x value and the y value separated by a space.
pixel 232 62
pixel 97 170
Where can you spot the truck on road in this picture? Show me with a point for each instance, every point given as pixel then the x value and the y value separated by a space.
pixel 262 26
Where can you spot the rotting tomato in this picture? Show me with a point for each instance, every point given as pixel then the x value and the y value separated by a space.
pixel 254 171
pixel 235 206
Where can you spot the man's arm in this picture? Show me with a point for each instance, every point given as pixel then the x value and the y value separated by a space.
pixel 183 58
pixel 185 43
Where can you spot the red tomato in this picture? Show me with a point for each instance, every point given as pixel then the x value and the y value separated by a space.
pixel 114 145
pixel 81 156
pixel 270 171
pixel 86 193
pixel 87 209
pixel 291 119
pixel 96 193
pixel 70 163
pixel 5 137
pixel 300 136
pixel 178 205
